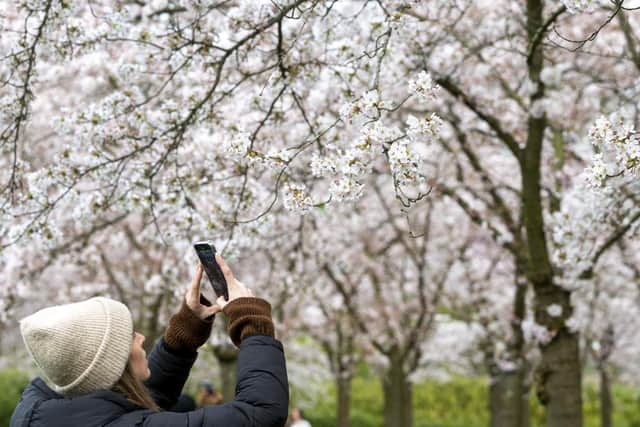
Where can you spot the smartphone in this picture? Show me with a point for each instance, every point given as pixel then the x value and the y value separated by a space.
pixel 206 252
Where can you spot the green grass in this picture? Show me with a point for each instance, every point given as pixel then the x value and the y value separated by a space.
pixel 12 382
pixel 461 402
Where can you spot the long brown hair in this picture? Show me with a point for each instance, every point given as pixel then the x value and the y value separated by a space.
pixel 135 390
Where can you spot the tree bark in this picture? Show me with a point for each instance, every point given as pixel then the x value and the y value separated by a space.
pixel 398 408
pixel 606 402
pixel 227 356
pixel 508 390
pixel 340 353
pixel 344 401
pixel 559 379
pixel 508 399
pixel 560 383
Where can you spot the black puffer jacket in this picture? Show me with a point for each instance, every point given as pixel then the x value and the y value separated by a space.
pixel 262 393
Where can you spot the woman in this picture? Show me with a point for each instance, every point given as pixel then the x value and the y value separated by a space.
pixel 98 373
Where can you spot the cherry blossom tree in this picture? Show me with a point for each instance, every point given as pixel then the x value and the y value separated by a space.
pixel 491 295
pixel 607 318
pixel 129 128
pixel 386 270
pixel 600 217
pixel 525 117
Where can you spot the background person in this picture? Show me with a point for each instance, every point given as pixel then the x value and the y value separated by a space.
pixel 297 419
pixel 208 395
pixel 98 373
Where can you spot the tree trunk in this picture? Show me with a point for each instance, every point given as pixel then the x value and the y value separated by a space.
pixel 340 353
pixel 508 391
pixel 559 379
pixel 227 356
pixel 508 399
pixel 560 382
pixel 606 403
pixel 398 410
pixel 344 401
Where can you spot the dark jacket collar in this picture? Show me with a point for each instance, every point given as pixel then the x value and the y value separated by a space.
pixel 46 393
pixel 42 406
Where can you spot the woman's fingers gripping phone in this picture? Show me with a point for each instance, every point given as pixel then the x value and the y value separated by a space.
pixel 236 288
pixel 193 298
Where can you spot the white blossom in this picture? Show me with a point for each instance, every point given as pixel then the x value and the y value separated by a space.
pixel 351 163
pixel 379 133
pixel 428 126
pixel 346 189
pixel 554 310
pixel 575 6
pixel 296 198
pixel 368 106
pixel 404 162
pixel 237 145
pixel 619 145
pixel 424 86
pixel 321 166
pixel 596 173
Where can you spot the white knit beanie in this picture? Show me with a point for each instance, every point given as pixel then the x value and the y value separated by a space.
pixel 80 347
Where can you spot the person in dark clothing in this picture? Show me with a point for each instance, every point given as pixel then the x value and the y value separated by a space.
pixel 97 372
pixel 185 403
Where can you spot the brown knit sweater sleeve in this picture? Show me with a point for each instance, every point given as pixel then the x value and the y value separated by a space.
pixel 186 331
pixel 248 316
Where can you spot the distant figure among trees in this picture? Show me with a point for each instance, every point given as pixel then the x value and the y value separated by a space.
pixel 297 419
pixel 208 395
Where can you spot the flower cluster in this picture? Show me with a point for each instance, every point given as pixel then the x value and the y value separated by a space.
pixel 424 86
pixel 368 107
pixel 573 233
pixel 575 6
pixel 296 198
pixel 346 189
pixel 404 162
pixel 237 145
pixel 596 173
pixel 619 150
pixel 321 166
pixel 347 167
pixel 404 150
pixel 418 129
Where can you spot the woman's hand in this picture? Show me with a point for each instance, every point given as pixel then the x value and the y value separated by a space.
pixel 248 315
pixel 190 327
pixel 198 303
pixel 236 288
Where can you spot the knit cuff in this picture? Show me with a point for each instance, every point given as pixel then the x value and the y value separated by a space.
pixel 186 331
pixel 246 317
